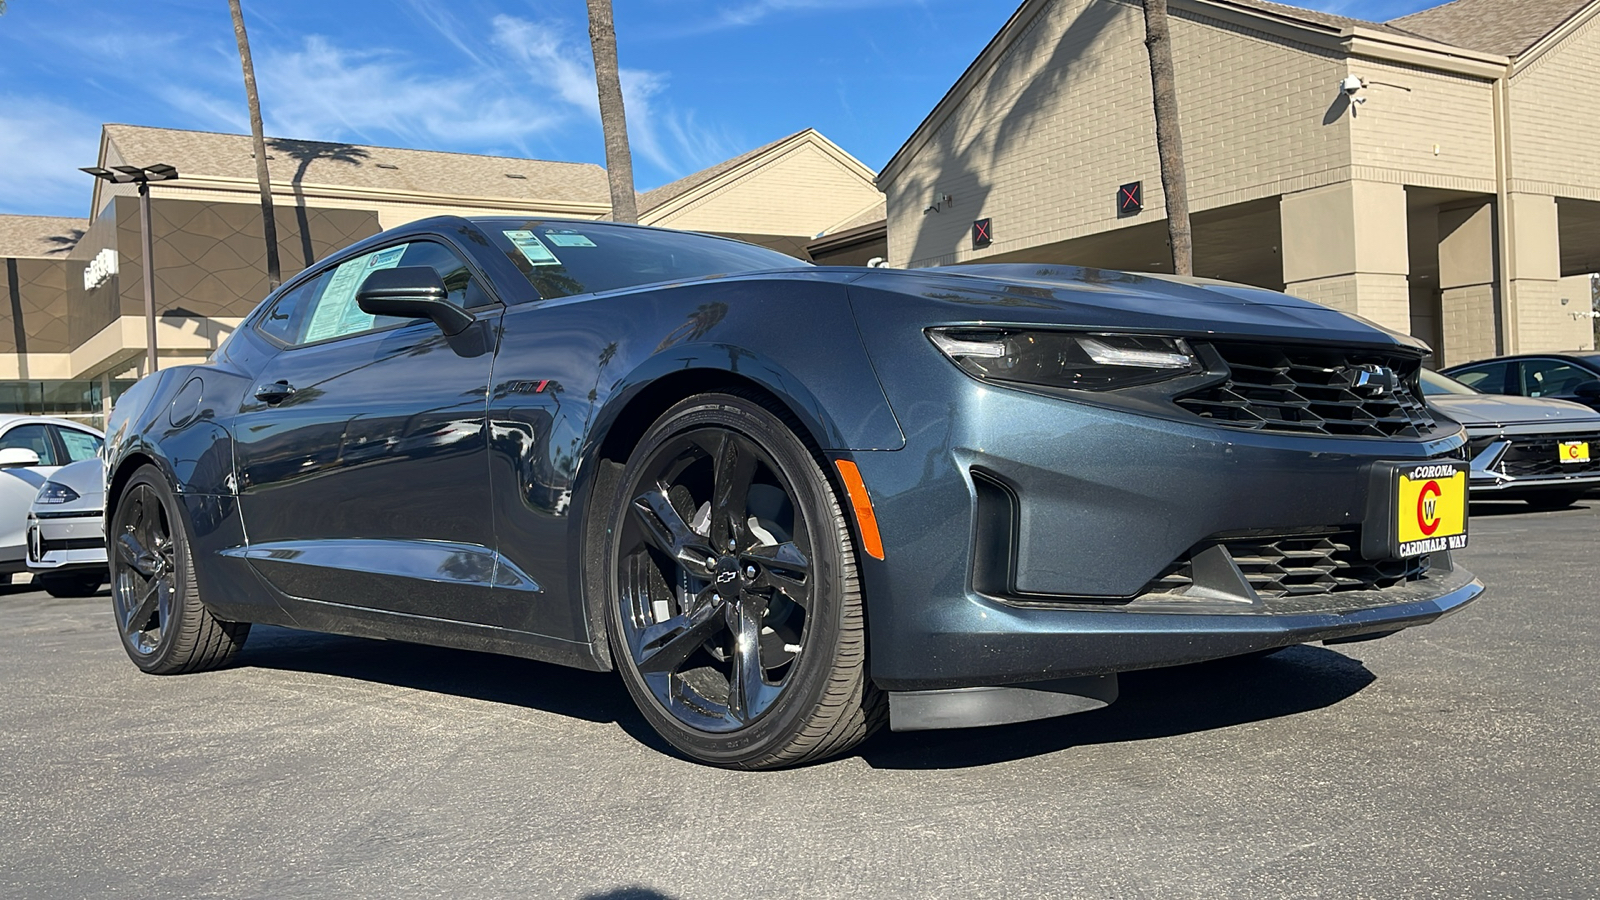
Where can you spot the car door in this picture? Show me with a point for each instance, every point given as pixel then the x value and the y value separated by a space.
pixel 362 458
pixel 20 484
pixel 1557 379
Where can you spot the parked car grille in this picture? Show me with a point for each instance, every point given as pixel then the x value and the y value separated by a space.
pixel 1313 390
pixel 1540 455
pixel 1300 564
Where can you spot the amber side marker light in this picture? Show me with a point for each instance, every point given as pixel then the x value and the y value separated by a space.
pixel 866 519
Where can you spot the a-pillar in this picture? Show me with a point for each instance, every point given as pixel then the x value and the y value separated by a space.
pixel 1344 246
pixel 1539 321
pixel 1467 288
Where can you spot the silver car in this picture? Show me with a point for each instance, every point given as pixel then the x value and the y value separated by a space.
pixel 32 449
pixel 66 531
pixel 1545 452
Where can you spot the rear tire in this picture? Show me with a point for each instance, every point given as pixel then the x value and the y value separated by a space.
pixel 735 611
pixel 162 624
pixel 75 584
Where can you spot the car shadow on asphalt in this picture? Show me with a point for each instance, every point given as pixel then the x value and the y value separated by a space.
pixel 494 678
pixel 1153 704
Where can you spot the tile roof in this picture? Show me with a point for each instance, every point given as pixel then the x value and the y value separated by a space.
pixel 1506 27
pixel 1304 16
pixel 357 166
pixel 668 192
pixel 50 237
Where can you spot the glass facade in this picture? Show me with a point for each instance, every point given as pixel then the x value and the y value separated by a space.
pixel 81 401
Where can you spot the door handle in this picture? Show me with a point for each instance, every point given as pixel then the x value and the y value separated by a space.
pixel 274 393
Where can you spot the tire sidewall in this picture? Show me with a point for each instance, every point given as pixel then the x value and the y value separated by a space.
pixel 778 726
pixel 184 587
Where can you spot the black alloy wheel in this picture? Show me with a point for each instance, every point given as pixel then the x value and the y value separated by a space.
pixel 736 609
pixel 163 625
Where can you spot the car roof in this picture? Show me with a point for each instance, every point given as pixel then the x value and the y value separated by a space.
pixel 9 419
pixel 1586 357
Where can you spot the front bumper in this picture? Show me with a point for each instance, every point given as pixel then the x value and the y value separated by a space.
pixel 1522 460
pixel 62 544
pixel 1101 503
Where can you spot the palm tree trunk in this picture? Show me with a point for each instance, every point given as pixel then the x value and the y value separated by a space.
pixel 613 120
pixel 269 223
pixel 1169 139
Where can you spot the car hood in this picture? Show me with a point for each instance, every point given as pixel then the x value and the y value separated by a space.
pixel 1071 296
pixel 1498 409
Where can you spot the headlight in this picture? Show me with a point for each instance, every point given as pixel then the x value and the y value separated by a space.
pixel 56 492
pixel 1065 359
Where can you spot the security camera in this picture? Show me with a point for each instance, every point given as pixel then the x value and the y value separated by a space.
pixel 1351 85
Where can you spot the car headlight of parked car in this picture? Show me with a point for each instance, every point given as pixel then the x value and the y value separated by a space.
pixel 55 492
pixel 1065 359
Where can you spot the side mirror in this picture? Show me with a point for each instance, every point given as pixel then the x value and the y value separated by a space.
pixel 412 292
pixel 18 458
pixel 1589 390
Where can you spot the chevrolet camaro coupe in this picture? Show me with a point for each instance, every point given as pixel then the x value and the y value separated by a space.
pixel 786 503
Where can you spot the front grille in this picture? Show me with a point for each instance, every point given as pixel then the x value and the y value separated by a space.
pixel 1541 455
pixel 1312 390
pixel 1296 565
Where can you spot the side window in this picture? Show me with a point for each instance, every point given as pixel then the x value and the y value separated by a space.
pixel 81 445
pixel 1552 378
pixel 32 437
pixel 283 321
pixel 325 307
pixel 1490 378
pixel 458 279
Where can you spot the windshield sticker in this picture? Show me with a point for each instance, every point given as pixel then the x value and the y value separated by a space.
pixel 568 239
pixel 533 250
pixel 337 312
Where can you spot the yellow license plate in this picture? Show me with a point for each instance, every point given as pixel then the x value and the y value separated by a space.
pixel 1574 451
pixel 1431 509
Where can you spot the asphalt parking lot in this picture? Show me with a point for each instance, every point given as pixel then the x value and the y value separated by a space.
pixel 1451 761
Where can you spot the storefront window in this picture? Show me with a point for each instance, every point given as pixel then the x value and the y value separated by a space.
pixel 80 401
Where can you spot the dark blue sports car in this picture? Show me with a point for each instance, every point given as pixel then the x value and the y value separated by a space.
pixel 786 503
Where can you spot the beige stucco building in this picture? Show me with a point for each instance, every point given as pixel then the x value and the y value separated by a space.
pixel 1447 193
pixel 74 334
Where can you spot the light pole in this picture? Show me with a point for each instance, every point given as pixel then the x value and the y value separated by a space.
pixel 142 177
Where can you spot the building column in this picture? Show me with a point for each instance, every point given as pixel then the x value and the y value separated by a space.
pixel 1467 283
pixel 1345 246
pixel 1539 322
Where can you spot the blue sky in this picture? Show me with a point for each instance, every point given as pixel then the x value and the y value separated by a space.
pixel 704 80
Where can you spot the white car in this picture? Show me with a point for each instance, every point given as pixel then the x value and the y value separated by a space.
pixel 32 448
pixel 66 531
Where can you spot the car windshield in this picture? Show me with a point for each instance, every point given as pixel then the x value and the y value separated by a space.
pixel 1434 384
pixel 562 259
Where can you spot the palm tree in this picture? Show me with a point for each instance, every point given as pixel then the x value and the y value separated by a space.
pixel 613 120
pixel 1169 139
pixel 268 223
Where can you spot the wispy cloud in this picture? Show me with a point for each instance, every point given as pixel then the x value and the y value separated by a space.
pixel 41 146
pixel 750 12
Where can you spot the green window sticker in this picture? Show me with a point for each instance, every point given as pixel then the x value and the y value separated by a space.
pixel 337 313
pixel 533 249
pixel 568 239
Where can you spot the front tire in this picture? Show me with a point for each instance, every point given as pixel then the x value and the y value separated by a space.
pixel 162 624
pixel 735 611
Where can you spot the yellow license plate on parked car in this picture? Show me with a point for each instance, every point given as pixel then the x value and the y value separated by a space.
pixel 1574 451
pixel 1431 508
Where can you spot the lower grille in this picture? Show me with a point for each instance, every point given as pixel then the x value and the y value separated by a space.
pixel 1296 565
pixel 1541 455
pixel 48 546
